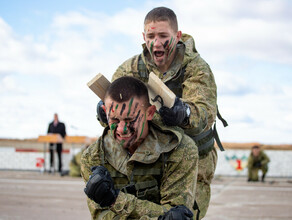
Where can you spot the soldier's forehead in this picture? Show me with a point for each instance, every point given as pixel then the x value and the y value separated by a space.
pixel 134 99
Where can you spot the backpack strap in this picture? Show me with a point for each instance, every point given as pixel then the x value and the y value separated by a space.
pixel 174 86
pixel 196 207
pixel 215 133
pixel 142 69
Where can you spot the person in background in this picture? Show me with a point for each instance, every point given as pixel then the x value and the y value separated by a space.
pixel 56 127
pixel 257 160
pixel 136 169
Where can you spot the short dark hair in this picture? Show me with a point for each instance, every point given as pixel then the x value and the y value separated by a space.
pixel 126 87
pixel 255 147
pixel 162 14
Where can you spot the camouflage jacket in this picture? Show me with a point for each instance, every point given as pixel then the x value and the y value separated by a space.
pixel 198 84
pixel 263 158
pixel 176 182
pixel 74 165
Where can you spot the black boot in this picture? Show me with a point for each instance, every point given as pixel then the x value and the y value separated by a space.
pixel 263 177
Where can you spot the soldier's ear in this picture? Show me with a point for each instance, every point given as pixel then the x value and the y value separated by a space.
pixel 150 112
pixel 144 36
pixel 178 36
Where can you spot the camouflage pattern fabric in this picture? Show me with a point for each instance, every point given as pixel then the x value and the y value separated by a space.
pixel 74 166
pixel 199 91
pixel 199 88
pixel 253 171
pixel 177 185
pixel 207 166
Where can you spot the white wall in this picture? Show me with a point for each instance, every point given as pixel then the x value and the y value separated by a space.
pixel 12 160
pixel 279 166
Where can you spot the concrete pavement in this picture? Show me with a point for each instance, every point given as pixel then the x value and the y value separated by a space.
pixel 233 198
pixel 32 195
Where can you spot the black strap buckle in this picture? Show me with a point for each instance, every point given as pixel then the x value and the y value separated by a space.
pixel 131 189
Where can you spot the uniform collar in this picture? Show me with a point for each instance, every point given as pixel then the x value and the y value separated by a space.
pixel 148 152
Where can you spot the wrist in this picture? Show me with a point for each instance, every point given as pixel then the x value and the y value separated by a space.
pixel 187 114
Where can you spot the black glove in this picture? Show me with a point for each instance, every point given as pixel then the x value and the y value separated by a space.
pixel 100 187
pixel 177 115
pixel 257 164
pixel 101 115
pixel 177 213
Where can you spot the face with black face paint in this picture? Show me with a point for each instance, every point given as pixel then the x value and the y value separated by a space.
pixel 161 42
pixel 128 121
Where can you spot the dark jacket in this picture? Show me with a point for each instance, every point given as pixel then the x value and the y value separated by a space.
pixel 59 129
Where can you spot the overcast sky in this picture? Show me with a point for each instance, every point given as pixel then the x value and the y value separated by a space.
pixel 49 50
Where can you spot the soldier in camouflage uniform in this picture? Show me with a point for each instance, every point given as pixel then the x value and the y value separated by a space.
pixel 172 56
pixel 136 169
pixel 74 165
pixel 257 160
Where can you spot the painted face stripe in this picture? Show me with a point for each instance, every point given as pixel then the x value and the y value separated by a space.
pixel 113 127
pixel 123 108
pixel 170 42
pixel 165 44
pixel 172 46
pixel 171 51
pixel 110 110
pixel 135 108
pixel 130 105
pixel 125 128
pixel 151 47
pixel 133 122
pixel 143 126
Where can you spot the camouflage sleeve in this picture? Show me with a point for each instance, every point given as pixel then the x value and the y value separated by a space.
pixel 128 68
pixel 200 92
pixel 178 186
pixel 89 158
pixel 266 159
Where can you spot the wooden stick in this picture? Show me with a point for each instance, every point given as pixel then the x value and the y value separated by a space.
pixel 99 85
pixel 157 87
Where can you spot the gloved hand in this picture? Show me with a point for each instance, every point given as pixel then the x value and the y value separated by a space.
pixel 177 213
pixel 101 115
pixel 176 115
pixel 100 187
pixel 257 164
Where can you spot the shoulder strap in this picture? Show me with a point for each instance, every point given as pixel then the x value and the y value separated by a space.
pixel 196 207
pixel 143 73
pixel 215 133
pixel 221 119
pixel 142 70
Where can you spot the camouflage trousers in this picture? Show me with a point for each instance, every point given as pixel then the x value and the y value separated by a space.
pixel 253 172
pixel 75 171
pixel 207 166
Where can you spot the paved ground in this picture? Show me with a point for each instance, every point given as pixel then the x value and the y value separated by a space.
pixel 233 198
pixel 31 195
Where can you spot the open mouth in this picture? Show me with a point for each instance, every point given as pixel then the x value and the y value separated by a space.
pixel 158 53
pixel 124 136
